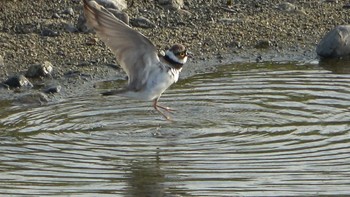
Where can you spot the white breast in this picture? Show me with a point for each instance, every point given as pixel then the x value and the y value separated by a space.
pixel 158 81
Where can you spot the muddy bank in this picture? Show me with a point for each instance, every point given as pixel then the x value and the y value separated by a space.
pixel 35 32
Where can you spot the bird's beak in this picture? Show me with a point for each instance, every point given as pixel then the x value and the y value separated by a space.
pixel 189 54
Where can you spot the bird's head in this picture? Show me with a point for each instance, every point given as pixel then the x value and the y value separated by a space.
pixel 177 54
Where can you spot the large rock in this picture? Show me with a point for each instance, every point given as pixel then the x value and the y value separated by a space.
pixel 335 43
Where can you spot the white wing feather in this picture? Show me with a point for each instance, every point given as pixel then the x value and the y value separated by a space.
pixel 134 52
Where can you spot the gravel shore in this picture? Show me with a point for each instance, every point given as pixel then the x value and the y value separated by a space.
pixel 33 32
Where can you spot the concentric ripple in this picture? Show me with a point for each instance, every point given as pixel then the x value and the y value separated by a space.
pixel 247 129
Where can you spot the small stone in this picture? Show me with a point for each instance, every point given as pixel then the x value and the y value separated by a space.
pixel 91 41
pixel 56 16
pixel 286 6
pixel 230 20
pixel 173 4
pixel 18 81
pixel 142 22
pixel 33 98
pixel 336 43
pixel 258 59
pixel 263 44
pixel 81 24
pixel 53 89
pixel 2 61
pixel 69 11
pixel 346 6
pixel 49 32
pixel 71 28
pixel 40 70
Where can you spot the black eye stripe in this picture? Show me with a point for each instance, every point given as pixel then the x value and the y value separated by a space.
pixel 179 53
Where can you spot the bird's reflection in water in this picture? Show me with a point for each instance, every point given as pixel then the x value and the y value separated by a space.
pixel 149 178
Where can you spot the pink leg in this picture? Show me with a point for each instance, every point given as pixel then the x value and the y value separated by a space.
pixel 156 107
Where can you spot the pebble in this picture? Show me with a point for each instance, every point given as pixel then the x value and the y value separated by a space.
pixel 40 70
pixel 71 28
pixel 91 41
pixel 286 6
pixel 336 43
pixel 56 16
pixel 174 4
pixel 2 61
pixel 263 44
pixel 18 81
pixel 69 11
pixel 81 24
pixel 49 32
pixel 142 22
pixel 230 20
pixel 51 89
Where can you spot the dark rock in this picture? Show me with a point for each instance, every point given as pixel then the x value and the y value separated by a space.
pixel 69 11
pixel 40 70
pixel 49 32
pixel 71 28
pixel 53 89
pixel 18 81
pixel 81 24
pixel 55 15
pixel 263 44
pixel 336 43
pixel 142 22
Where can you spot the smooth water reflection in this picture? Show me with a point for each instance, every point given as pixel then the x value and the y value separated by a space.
pixel 247 129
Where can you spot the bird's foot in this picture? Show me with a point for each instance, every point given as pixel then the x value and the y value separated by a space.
pixel 168 109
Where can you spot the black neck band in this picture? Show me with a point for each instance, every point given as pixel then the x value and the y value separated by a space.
pixel 173 63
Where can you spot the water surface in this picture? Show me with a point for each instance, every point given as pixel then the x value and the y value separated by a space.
pixel 244 129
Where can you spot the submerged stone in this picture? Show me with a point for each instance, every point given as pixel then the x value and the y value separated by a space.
pixel 33 98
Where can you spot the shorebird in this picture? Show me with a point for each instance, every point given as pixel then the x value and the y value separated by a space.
pixel 149 74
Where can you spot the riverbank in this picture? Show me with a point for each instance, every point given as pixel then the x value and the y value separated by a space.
pixel 34 32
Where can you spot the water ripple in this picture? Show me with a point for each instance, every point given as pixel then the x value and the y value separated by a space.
pixel 250 129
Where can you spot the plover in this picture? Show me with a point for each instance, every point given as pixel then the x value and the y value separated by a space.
pixel 149 74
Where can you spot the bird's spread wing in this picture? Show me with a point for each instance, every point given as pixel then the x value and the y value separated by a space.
pixel 135 53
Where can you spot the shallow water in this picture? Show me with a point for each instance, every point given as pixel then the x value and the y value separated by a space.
pixel 245 129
